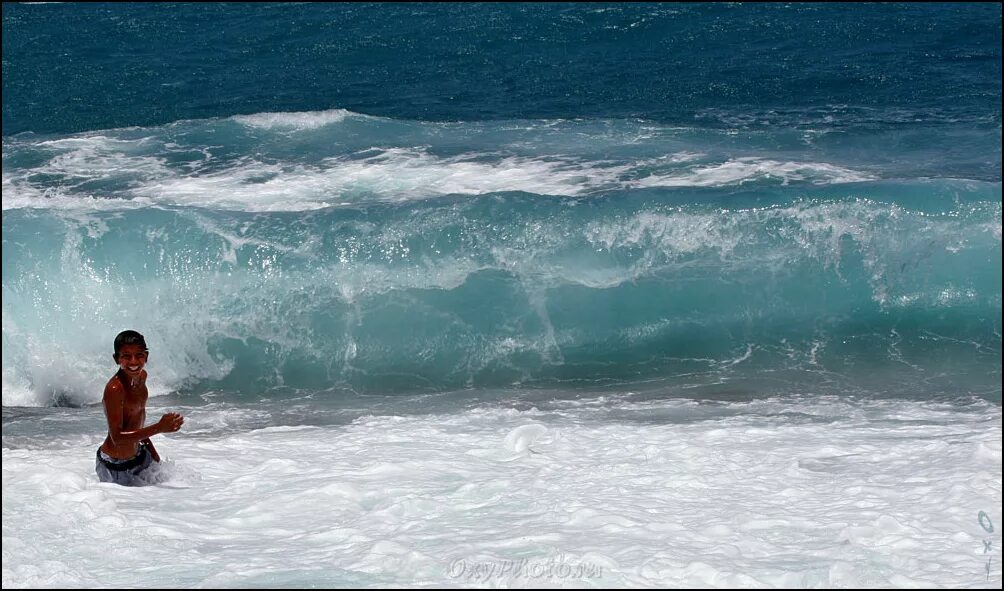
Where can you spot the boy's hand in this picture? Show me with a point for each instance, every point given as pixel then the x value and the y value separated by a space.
pixel 170 422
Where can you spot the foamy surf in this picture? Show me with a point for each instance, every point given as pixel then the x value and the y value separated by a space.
pixel 343 158
pixel 775 493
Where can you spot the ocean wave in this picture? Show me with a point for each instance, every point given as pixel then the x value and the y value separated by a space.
pixel 89 174
pixel 313 160
pixel 295 120
pixel 507 288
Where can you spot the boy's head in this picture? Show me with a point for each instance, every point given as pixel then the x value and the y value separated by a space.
pixel 128 337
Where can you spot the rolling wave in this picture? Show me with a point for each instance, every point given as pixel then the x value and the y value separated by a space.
pixel 510 288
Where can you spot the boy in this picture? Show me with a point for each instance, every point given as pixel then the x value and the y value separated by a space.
pixel 128 451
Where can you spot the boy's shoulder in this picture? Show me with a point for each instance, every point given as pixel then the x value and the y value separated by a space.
pixel 114 385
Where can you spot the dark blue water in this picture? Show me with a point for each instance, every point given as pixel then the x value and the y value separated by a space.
pixel 727 200
pixel 74 67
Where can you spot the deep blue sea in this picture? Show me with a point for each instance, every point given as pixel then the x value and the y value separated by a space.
pixel 725 216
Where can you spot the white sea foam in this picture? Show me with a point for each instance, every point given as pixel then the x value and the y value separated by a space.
pixel 103 172
pixel 295 120
pixel 743 170
pixel 393 175
pixel 994 227
pixel 16 391
pixel 399 174
pixel 679 232
pixel 765 494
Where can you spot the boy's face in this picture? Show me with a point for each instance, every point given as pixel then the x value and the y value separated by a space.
pixel 131 359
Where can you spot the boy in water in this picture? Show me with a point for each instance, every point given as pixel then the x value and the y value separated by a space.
pixel 128 451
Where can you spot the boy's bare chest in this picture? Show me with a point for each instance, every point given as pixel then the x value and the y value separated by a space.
pixel 134 408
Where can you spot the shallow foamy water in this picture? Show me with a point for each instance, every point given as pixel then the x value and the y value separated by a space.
pixel 821 493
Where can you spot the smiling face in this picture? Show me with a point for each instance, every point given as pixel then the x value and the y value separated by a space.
pixel 132 359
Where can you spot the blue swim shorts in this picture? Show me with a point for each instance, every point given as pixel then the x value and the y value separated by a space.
pixel 125 472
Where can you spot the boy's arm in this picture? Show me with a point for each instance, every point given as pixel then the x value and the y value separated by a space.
pixel 114 401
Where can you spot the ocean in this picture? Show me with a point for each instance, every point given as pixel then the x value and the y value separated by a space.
pixel 507 295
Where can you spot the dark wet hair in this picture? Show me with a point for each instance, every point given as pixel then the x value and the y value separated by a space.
pixel 129 337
